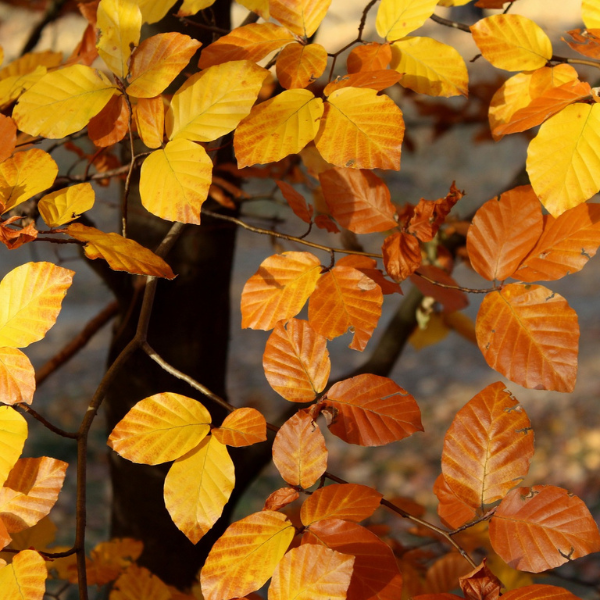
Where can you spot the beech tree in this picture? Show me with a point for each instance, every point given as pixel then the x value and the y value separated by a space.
pixel 193 116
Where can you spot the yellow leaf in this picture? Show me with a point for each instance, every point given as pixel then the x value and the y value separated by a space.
pixel 397 18
pixel 149 117
pixel 121 254
pixel 13 433
pixel 30 299
pixel 361 130
pixel 302 17
pixel 29 62
pixel 12 87
pixel 590 12
pixel 453 2
pixel 430 67
pixel 40 536
pixel 278 127
pixel 174 181
pixel 563 160
pixel 157 61
pixel 63 102
pixel 120 24
pixel 154 10
pixel 160 428
pixel 512 42
pixel 24 578
pixel 66 205
pixel 245 556
pixel 242 427
pixel 299 65
pixel 24 175
pixel 17 377
pixel 435 331
pixel 138 582
pixel 198 486
pixel 260 7
pixel 191 7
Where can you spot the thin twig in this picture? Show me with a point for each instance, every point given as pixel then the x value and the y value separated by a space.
pixel 36 33
pixel 125 195
pixel 26 408
pixel 449 23
pixel 575 61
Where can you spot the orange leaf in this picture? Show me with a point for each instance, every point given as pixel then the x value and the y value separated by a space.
pixel 296 201
pixel 565 246
pixel 296 361
pixel 376 80
pixel 302 17
pixel 586 42
pixel 8 137
pixel 109 559
pixel 361 130
pixel 368 266
pixel 110 125
pixel 370 410
pixel 325 222
pixel 299 65
pixel 246 555
pixel 451 299
pixel 250 42
pixel 358 200
pixel 401 255
pixel 451 509
pixel 157 61
pixel 481 584
pixel 279 289
pixel 15 238
pixel 150 120
pixel 312 573
pixel 242 427
pixel 543 527
pixel 437 597
pixel 376 575
pixel 444 573
pixel 539 592
pixel 530 335
pixel 369 57
pixel 24 578
pixel 281 498
pixel 17 377
pixel 138 582
pixel 503 232
pixel 346 299
pixel 347 501
pixel 299 451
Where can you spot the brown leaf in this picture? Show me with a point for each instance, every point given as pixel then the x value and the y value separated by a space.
pixel 451 299
pixel 586 42
pixel 281 498
pixel 401 255
pixel 452 510
pixel 369 57
pixel 110 125
pixel 8 137
pixel 296 201
pixel 368 266
pixel 481 584
pixel 13 238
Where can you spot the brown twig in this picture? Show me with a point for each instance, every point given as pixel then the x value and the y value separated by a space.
pixel 575 61
pixel 449 23
pixel 26 408
pixel 126 191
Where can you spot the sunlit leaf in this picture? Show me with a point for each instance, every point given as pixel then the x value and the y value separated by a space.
pixel 138 582
pixel 401 255
pixel 590 13
pixel 198 486
pixel 13 87
pixel 444 573
pixel 154 10
pixel 13 238
pixel 63 102
pixel 348 501
pixel 30 300
pixel 40 536
pixel 29 62
pixel 260 7
pixel 585 42
pixel 312 573
pixel 530 335
pixel 246 555
pixel 361 130
pixel 431 332
pixel 24 578
pixel 369 57
pixel 175 180
pixel 301 17
pixel 451 509
pixel 13 433
pixel 8 137
pixel 375 80
pixel 450 298
pixel 160 428
pixel 542 527
pixel 368 266
pixel 539 592
pixel 150 120
pixel 296 361
pixel 397 18
pixel 370 410
pixel 296 201
pixel 191 7
pixel 299 65
pixel 17 377
pixel 299 451
pixel 121 254
pixel 63 206
pixel 481 583
pixel 281 498
pixel 242 427
pixel 280 126
pixel 111 124
pixel 157 61
pixel 279 289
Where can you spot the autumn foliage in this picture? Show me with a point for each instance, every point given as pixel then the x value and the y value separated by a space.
pixel 271 94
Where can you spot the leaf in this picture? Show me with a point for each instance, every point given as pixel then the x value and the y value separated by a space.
pixel 157 61
pixel 296 201
pixel 503 232
pixel 451 509
pixel 361 130
pixel 481 584
pixel 279 289
pixel 154 10
pixel 488 447
pixel 590 14
pixel 246 555
pixel 565 246
pixel 150 120
pixel 8 137
pixel 138 582
pixel 111 124
pixel 368 267
pixel 376 80
pixel 278 127
pixel 346 300
pixel 299 65
pixel 17 377
pixel 242 427
pixel 249 42
pixel 451 299
pixel 369 57
pixel 213 102
pixel 198 486
pixel 401 255
pixel 430 332
pixel 24 578
pixel 512 42
pixel 530 335
pixel 444 573
pixel 397 18
pixel 539 592
pixel 585 42
pixel 160 428
pixel 566 178
pixel 120 23
pixel 29 62
pixel 14 238
pixel 296 361
pixel 191 7
pixel 358 200
pixel 37 482
pixel 376 575
pixel 63 206
pixel 281 498
pixel 299 451
pixel 63 102
pixel 13 87
pixel 121 254
pixel 312 573
pixel 260 7
pixel 370 410
pixel 174 181
pixel 301 17
pixel 24 175
pixel 430 67
pixel 30 299
pixel 348 501
pixel 543 527
pixel 13 433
